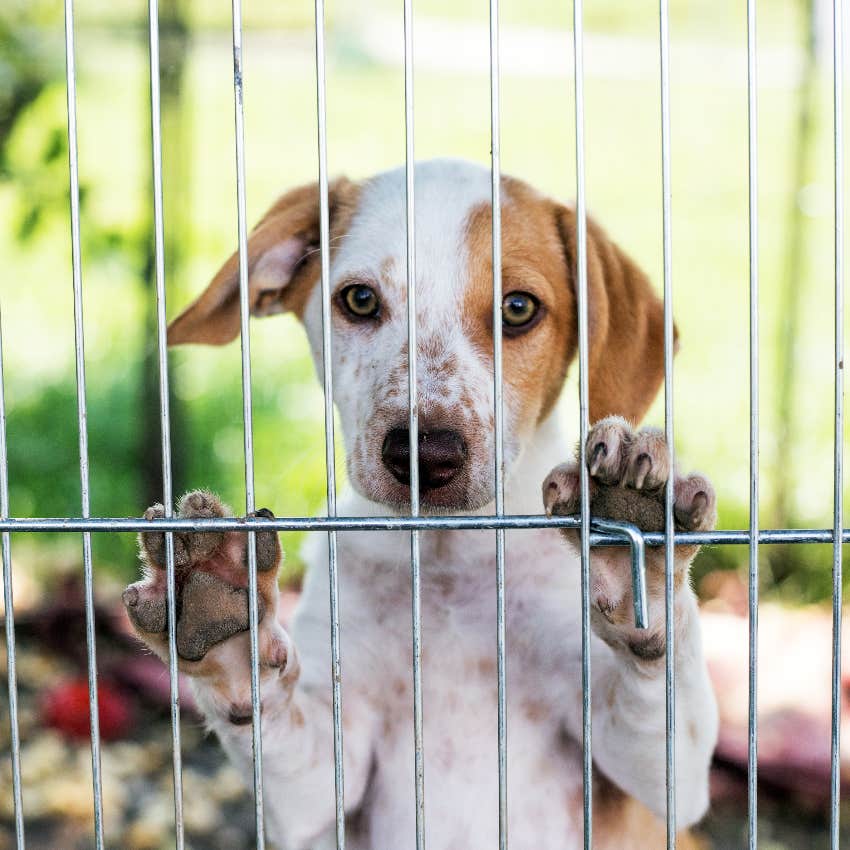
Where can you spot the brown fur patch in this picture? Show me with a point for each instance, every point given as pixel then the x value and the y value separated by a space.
pixel 539 257
pixel 296 717
pixel 533 262
pixel 486 667
pixel 535 710
pixel 389 272
pixel 622 823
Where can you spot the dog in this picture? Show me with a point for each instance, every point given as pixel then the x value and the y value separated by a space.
pixel 628 471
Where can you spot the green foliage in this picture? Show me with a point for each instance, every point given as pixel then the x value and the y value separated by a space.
pixel 29 78
pixel 27 67
pixel 43 457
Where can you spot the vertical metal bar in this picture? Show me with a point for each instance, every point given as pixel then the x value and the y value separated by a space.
pixel 79 350
pixel 669 433
pixel 11 672
pixel 584 427
pixel 838 444
pixel 165 417
pixel 752 146
pixel 330 461
pixel 498 409
pixel 413 423
pixel 247 419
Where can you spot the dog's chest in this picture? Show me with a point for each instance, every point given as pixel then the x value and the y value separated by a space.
pixel 459 678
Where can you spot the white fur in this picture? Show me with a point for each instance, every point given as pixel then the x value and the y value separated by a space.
pixel 458 603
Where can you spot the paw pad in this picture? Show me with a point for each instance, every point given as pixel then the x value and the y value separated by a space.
pixel 211 578
pixel 211 612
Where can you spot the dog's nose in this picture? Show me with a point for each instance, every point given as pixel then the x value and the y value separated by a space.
pixel 442 455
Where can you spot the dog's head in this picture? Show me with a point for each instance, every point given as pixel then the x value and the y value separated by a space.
pixel 454 321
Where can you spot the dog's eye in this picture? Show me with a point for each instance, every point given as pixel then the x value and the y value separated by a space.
pixel 518 309
pixel 361 301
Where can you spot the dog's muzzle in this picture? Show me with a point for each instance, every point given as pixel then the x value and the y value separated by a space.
pixel 442 455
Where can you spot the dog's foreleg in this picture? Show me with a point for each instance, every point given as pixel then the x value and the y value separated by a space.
pixel 629 473
pixel 297 745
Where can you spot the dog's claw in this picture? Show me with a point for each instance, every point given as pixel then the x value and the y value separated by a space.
pixel 561 491
pixel 146 609
pixel 643 464
pixel 268 548
pixel 606 444
pixel 600 452
pixel 695 507
pixel 154 512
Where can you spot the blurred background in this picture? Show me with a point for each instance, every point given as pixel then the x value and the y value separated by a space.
pixel 366 134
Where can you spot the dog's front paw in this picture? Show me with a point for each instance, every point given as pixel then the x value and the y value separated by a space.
pixel 629 472
pixel 211 586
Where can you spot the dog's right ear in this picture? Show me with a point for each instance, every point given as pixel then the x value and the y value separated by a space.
pixel 283 266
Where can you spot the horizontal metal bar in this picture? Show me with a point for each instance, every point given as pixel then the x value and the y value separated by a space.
pixel 18 525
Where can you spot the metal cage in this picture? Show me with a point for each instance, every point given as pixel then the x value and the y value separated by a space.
pixel 594 531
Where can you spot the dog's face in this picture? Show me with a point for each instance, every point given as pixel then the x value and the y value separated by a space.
pixel 454 298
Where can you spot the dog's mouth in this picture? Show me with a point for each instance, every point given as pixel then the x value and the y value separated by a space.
pixel 442 500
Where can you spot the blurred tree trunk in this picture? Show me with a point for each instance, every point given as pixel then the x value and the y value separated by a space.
pixel 791 294
pixel 174 46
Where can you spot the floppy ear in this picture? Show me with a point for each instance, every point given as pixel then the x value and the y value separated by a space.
pixel 283 266
pixel 626 324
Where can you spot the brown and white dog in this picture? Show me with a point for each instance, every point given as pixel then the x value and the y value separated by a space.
pixel 454 359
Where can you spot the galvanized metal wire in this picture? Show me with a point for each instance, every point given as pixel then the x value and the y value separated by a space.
pixel 247 419
pixel 80 364
pixel 669 432
pixel 413 433
pixel 330 442
pixel 838 436
pixel 165 417
pixel 499 420
pixel 753 573
pixel 413 425
pixel 584 423
pixel 9 609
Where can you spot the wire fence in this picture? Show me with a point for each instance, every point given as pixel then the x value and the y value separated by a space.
pixel 594 531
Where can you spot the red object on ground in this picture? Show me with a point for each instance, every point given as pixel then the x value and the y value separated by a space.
pixel 65 707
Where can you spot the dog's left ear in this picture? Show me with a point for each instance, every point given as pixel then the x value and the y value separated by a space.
pixel 626 323
pixel 283 266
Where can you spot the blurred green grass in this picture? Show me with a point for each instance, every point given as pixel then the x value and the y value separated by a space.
pixel 366 134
